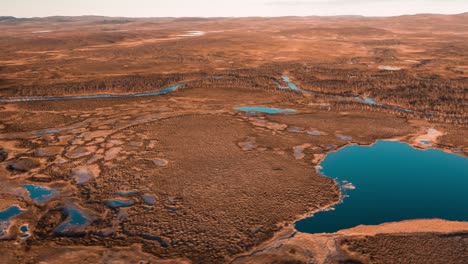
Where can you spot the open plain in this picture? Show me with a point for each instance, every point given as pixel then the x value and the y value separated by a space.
pixel 130 131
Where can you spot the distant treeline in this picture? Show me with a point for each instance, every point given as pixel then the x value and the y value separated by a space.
pixel 123 84
pixel 440 98
pixel 431 96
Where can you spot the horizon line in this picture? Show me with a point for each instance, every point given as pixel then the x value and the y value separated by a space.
pixel 259 16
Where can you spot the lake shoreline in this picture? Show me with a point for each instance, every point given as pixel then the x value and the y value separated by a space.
pixel 289 232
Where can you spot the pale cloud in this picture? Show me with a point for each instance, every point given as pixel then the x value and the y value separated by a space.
pixel 319 2
pixel 210 8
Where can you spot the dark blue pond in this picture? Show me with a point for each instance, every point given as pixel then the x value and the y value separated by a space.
pixel 25 231
pixel 75 222
pixel 39 193
pixel 262 109
pixel 92 96
pixel 392 181
pixel 10 212
pixel 5 217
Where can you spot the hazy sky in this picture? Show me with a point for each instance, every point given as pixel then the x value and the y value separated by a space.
pixel 178 8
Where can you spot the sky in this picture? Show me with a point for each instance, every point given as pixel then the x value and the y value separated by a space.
pixel 229 8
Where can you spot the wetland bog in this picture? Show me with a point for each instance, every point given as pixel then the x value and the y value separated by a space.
pixel 145 140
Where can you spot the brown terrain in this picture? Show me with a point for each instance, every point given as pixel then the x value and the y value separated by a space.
pixel 201 181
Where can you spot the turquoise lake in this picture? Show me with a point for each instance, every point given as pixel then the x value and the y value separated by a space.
pixel 392 181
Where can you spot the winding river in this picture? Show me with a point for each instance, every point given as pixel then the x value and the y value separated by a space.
pixel 92 96
pixel 290 86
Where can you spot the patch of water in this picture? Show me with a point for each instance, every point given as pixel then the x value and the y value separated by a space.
pixel 391 181
pixel 24 229
pixel 291 85
pixel 92 96
pixel 10 212
pixel 76 221
pixel 5 217
pixel 262 109
pixel 40 194
pixel 116 203
pixel 370 101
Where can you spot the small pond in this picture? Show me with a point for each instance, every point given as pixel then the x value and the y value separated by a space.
pixel 291 85
pixel 116 203
pixel 40 194
pixel 76 221
pixel 10 212
pixel 262 109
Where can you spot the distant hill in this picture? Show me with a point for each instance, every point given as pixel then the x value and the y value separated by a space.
pixel 2 18
pixel 112 19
